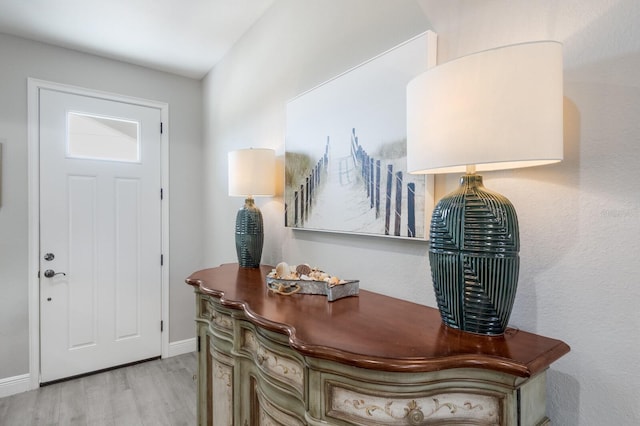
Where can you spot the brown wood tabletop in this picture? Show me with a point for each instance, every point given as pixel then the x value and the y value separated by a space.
pixel 372 330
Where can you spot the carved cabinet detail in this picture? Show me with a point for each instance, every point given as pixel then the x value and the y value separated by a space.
pixel 222 389
pixel 458 407
pixel 277 365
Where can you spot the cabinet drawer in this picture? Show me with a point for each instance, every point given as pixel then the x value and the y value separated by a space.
pixel 220 320
pixel 202 308
pixel 367 407
pixel 273 363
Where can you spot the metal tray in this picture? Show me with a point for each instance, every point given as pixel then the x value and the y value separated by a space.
pixel 333 292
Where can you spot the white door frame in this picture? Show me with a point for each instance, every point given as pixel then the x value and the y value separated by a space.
pixel 33 140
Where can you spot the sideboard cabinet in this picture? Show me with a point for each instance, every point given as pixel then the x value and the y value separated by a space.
pixel 268 359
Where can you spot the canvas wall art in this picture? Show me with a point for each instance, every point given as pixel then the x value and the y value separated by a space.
pixel 345 150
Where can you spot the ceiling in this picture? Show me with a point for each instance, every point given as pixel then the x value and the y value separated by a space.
pixel 185 37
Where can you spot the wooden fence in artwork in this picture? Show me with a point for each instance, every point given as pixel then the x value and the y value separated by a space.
pixel 359 166
pixel 304 197
pixel 371 173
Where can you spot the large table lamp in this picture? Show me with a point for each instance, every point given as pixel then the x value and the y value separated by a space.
pixel 496 109
pixel 251 173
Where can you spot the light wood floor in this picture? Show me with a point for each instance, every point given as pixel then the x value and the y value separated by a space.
pixel 154 393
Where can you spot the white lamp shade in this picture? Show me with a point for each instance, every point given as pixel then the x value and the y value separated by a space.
pixel 252 172
pixel 496 109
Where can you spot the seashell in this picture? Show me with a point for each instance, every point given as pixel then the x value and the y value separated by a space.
pixel 303 269
pixel 282 269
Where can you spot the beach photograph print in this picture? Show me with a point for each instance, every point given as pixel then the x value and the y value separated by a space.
pixel 345 151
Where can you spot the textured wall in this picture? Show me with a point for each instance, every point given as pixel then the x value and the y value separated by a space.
pixel 23 59
pixel 579 220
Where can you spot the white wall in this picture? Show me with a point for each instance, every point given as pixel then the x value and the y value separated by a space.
pixel 296 46
pixel 22 59
pixel 579 220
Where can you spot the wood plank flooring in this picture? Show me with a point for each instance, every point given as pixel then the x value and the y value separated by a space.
pixel 154 393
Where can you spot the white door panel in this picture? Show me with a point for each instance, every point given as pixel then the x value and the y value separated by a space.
pixel 101 219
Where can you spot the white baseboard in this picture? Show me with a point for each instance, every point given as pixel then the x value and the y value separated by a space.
pixel 182 347
pixel 15 384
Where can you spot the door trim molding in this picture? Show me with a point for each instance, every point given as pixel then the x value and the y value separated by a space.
pixel 33 144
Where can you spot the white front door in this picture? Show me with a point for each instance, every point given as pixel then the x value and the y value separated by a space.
pixel 100 233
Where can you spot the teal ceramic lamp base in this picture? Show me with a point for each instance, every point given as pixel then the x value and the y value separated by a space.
pixel 473 252
pixel 249 235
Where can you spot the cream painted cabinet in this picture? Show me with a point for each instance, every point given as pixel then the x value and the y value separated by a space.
pixel 267 359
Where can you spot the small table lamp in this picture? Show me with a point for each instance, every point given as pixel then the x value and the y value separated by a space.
pixel 251 173
pixel 497 109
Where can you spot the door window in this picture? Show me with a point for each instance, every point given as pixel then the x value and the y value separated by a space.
pixel 102 138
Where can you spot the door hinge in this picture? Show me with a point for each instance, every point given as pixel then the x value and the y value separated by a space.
pixel 162 193
pixel 161 326
pixel 162 260
pixel 198 343
pixel 161 127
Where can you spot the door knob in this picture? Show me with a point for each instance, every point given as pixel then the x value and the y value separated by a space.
pixel 50 273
